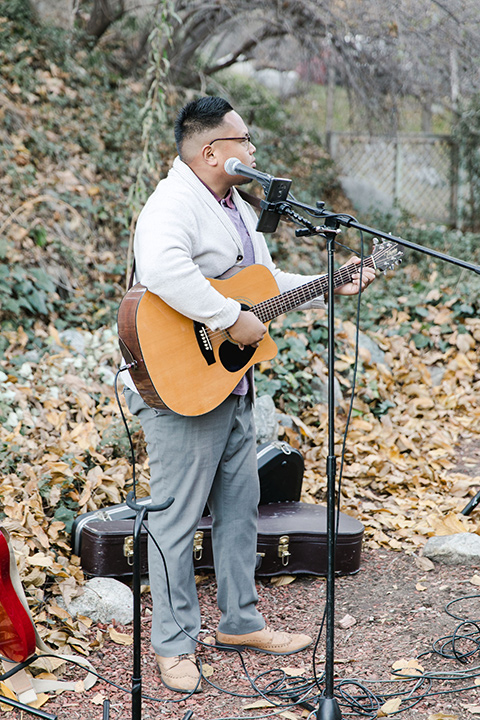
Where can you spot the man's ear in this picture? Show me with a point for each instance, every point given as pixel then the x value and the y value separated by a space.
pixel 208 155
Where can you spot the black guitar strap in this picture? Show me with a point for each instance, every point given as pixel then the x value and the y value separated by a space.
pixel 132 275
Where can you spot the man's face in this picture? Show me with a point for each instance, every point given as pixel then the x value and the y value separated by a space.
pixel 231 139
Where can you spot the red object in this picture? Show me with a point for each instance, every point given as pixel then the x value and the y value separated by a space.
pixel 17 632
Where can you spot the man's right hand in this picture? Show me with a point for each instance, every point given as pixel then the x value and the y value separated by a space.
pixel 247 330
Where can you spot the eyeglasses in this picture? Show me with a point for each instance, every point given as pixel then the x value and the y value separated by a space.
pixel 245 140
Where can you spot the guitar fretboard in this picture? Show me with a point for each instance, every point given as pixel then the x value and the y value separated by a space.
pixel 273 307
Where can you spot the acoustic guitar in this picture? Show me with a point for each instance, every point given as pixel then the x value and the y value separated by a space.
pixel 181 364
pixel 17 631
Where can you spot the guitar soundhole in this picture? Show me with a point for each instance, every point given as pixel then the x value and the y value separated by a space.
pixel 232 358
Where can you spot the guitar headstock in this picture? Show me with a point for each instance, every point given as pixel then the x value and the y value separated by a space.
pixel 386 254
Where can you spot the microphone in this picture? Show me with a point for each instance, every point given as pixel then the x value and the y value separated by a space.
pixel 233 166
pixel 276 190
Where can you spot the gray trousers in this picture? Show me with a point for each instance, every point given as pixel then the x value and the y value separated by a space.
pixel 197 460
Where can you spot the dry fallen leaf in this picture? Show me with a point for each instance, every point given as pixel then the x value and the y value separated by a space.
pixel 424 563
pixel 42 698
pixel 407 667
pixel 281 580
pixel 119 638
pixel 207 670
pixel 347 621
pixel 293 672
pixel 7 693
pixel 258 704
pixel 390 707
pixel 98 699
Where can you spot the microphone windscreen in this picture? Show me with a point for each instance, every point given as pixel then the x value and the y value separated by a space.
pixel 231 165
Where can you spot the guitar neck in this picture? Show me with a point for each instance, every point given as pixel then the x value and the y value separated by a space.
pixel 273 307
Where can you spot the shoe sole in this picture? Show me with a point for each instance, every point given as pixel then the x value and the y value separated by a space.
pixel 229 646
pixel 185 691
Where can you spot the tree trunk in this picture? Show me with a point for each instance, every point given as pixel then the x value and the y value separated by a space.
pixel 104 13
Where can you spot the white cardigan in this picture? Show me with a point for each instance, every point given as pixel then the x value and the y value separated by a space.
pixel 183 236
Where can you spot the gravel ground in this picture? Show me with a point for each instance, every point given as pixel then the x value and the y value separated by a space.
pixel 393 608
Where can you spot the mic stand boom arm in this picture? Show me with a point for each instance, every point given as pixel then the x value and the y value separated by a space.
pixel 349 221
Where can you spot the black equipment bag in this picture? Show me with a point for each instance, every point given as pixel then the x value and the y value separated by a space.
pixel 280 470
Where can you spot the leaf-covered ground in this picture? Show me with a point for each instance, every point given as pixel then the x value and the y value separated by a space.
pixel 64 449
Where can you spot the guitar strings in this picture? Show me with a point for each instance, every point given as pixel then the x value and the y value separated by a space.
pixel 272 307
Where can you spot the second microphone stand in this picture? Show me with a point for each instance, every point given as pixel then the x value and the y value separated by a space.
pixel 141 512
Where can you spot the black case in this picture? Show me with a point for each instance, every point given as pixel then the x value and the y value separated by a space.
pixel 292 540
pixel 280 469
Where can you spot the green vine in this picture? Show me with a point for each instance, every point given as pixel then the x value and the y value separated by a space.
pixel 154 113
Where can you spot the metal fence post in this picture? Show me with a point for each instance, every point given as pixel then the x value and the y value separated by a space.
pixel 397 179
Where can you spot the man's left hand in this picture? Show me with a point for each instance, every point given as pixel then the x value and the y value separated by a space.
pixel 352 288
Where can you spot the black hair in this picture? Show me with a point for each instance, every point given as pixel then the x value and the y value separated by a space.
pixel 199 115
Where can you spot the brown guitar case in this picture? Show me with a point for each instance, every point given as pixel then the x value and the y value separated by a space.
pixel 292 540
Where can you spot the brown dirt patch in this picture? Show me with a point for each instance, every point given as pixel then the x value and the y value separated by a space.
pixel 399 611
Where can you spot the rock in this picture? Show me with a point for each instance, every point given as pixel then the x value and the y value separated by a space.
pixel 437 374
pixel 319 388
pixel 459 549
pixel 265 416
pixel 61 13
pixel 377 355
pixel 75 340
pixel 104 600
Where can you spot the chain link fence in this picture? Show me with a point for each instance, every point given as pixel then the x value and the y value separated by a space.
pixel 416 173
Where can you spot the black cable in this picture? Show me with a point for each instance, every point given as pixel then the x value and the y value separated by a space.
pixel 127 429
pixel 454 602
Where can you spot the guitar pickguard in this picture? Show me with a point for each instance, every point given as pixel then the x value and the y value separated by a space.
pixel 232 358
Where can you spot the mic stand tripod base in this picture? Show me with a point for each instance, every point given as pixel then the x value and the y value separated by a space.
pixel 328 709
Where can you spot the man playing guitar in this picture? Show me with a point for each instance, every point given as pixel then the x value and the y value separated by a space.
pixel 194 226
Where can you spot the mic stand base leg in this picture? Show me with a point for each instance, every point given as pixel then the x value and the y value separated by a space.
pixel 328 709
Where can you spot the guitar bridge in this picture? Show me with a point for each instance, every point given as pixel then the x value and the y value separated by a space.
pixel 204 342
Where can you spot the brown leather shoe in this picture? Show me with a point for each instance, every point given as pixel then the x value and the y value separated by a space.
pixel 180 673
pixel 269 641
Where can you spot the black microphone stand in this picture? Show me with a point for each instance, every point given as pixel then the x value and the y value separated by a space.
pixel 471 505
pixel 328 708
pixel 141 512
